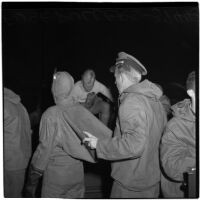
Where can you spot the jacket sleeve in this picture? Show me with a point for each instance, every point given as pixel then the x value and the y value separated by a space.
pixel 46 143
pixel 9 119
pixel 10 126
pixel 175 155
pixel 132 137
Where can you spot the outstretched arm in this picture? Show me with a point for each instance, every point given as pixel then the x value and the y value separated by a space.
pixel 131 135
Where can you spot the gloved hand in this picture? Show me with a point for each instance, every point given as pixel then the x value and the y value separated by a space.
pixel 32 181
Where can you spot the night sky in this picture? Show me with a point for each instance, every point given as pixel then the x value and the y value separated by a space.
pixel 39 37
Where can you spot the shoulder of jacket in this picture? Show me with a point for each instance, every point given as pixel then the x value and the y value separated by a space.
pixel 131 98
pixel 131 102
pixel 50 112
pixel 174 123
pixel 7 110
pixel 10 107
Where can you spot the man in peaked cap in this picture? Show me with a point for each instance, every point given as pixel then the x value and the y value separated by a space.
pixel 128 60
pixel 134 148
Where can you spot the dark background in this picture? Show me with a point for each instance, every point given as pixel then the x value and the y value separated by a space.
pixel 39 37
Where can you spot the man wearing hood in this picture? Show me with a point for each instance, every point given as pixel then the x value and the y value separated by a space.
pixel 59 155
pixel 17 144
pixel 134 149
pixel 178 143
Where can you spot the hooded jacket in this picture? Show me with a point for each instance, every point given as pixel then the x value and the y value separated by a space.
pixel 60 151
pixel 17 132
pixel 61 135
pixel 134 147
pixel 178 148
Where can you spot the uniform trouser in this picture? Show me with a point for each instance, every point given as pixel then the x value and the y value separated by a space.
pixel 171 189
pixel 13 183
pixel 118 191
pixel 63 182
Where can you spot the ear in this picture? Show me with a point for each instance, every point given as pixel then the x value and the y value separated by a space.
pixel 190 92
pixel 123 77
pixel 118 77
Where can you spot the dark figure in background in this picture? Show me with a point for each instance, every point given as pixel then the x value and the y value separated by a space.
pixel 102 107
pixel 17 144
pixel 165 102
pixel 175 92
pixel 178 143
pixel 135 146
pixel 35 117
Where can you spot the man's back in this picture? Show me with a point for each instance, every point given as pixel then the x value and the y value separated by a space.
pixel 135 145
pixel 17 133
pixel 178 149
pixel 145 167
pixel 17 144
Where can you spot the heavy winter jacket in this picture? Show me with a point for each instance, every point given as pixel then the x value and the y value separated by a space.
pixel 178 148
pixel 59 129
pixel 134 147
pixel 60 152
pixel 17 132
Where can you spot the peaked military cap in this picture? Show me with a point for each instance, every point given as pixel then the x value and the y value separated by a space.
pixel 125 60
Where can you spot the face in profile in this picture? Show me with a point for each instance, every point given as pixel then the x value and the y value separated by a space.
pixel 88 82
pixel 118 82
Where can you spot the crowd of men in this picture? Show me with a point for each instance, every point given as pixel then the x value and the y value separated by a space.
pixel 148 150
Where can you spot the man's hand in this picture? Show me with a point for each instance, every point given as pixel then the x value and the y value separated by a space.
pixel 90 140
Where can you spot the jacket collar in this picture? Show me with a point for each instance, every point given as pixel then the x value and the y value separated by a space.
pixel 145 88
